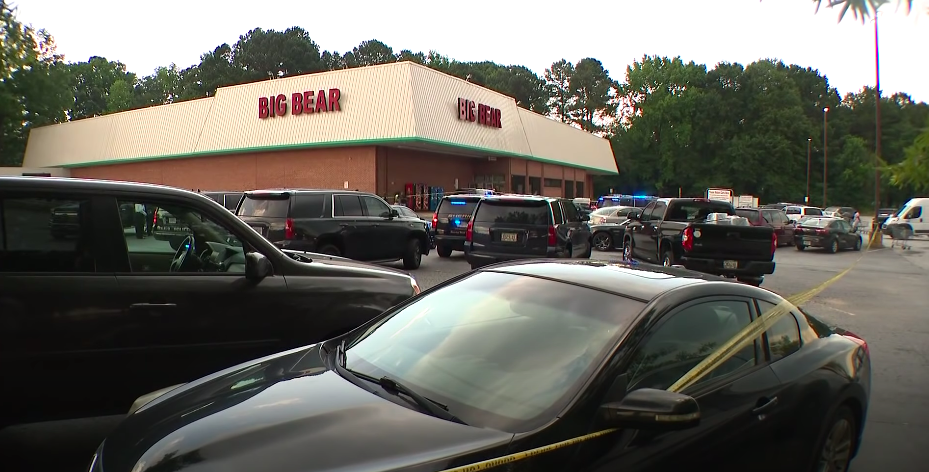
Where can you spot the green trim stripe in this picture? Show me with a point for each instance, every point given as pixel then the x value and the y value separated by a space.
pixel 332 144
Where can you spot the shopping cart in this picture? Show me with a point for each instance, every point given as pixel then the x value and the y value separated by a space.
pixel 901 235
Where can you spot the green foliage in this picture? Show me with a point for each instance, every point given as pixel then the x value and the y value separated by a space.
pixel 913 171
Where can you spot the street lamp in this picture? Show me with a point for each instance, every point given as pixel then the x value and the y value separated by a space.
pixel 825 152
pixel 877 124
pixel 809 149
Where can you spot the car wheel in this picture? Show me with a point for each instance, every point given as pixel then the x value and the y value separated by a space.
pixel 858 244
pixel 627 250
pixel 667 259
pixel 800 247
pixel 413 256
pixel 330 250
pixel 833 247
pixel 444 251
pixel 834 451
pixel 603 241
pixel 587 253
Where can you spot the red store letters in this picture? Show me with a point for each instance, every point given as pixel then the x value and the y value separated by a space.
pixel 483 114
pixel 300 103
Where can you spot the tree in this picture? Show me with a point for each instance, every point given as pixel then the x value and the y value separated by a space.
pixel 119 97
pixel 913 170
pixel 265 54
pixel 861 9
pixel 372 52
pixel 407 55
pixel 91 82
pixel 558 78
pixel 593 92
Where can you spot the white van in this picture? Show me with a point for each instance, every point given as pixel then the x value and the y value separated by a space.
pixel 914 213
pixel 796 213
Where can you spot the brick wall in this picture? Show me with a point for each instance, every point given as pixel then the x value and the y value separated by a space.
pixel 432 169
pixel 310 168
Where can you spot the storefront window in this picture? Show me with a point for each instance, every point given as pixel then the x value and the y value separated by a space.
pixel 495 181
pixel 535 185
pixel 580 189
pixel 552 182
pixel 569 189
pixel 518 184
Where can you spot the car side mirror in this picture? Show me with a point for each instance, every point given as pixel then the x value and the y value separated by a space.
pixel 585 217
pixel 634 215
pixel 257 266
pixel 394 214
pixel 653 410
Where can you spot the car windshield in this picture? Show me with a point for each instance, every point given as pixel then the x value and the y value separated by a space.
pixel 603 211
pixel 457 206
pixel 503 351
pixel 816 222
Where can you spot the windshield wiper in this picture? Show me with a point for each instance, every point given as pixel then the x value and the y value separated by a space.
pixel 431 407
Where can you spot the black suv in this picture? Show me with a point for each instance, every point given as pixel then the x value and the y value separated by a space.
pixel 90 322
pixel 450 222
pixel 508 227
pixel 230 200
pixel 353 224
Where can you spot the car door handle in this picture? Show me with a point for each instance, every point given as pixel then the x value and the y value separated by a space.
pixel 141 306
pixel 765 405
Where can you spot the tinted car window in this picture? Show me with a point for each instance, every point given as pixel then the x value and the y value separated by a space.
pixel 257 205
pixel 516 212
pixel 752 215
pixel 696 210
pixel 556 212
pixel 375 207
pixel 502 351
pixel 348 205
pixel 231 200
pixel 815 223
pixel 457 206
pixel 813 212
pixel 308 205
pixel 46 235
pixel 405 211
pixel 686 338
pixel 570 212
pixel 792 211
pixel 784 336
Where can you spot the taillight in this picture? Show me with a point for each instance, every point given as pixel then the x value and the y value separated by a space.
pixel 435 220
pixel 289 228
pixel 858 339
pixel 822 232
pixel 773 242
pixel 155 219
pixel 469 234
pixel 552 238
pixel 687 239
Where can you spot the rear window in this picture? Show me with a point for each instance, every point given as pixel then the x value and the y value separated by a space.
pixel 516 212
pixel 695 211
pixel 792 211
pixel 750 214
pixel 816 222
pixel 255 205
pixel 813 212
pixel 457 206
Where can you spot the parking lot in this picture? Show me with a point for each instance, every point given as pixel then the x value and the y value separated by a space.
pixel 883 299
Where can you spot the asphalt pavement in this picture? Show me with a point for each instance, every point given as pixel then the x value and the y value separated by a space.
pixel 883 299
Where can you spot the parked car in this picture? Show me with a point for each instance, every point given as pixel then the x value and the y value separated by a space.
pixel 407 212
pixel 357 225
pixel 89 323
pixel 797 213
pixel 609 236
pixel 829 233
pixel 883 214
pixel 675 231
pixel 450 222
pixel 770 217
pixel 508 227
pixel 612 214
pixel 845 212
pixel 637 201
pixel 528 355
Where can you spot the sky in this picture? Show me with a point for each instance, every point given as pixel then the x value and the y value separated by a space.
pixel 145 35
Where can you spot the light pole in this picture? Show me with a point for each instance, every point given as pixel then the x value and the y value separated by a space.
pixel 825 152
pixel 877 125
pixel 809 149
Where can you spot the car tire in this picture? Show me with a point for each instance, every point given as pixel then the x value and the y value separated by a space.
pixel 667 258
pixel 627 249
pixel 858 244
pixel 444 251
pixel 602 240
pixel 330 250
pixel 836 441
pixel 833 247
pixel 413 256
pixel 589 251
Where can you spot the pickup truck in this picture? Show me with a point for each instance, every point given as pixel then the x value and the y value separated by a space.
pixel 676 232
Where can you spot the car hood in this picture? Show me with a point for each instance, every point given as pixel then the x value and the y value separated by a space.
pixel 285 412
pixel 337 261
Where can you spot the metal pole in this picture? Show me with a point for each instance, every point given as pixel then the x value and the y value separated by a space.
pixel 809 149
pixel 877 122
pixel 825 152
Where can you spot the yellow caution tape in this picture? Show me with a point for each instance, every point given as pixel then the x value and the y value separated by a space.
pixel 714 360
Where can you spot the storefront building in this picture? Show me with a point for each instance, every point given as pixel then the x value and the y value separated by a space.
pixel 393 129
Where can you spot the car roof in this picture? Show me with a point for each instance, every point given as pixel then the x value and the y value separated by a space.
pixel 58 183
pixel 464 196
pixel 638 281
pixel 527 198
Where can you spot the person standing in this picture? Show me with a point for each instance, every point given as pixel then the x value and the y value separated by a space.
pixel 149 218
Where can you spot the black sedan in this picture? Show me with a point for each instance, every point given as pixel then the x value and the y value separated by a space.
pixel 831 234
pixel 518 356
pixel 608 236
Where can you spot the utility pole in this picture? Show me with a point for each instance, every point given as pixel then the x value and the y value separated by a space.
pixel 877 123
pixel 809 149
pixel 825 152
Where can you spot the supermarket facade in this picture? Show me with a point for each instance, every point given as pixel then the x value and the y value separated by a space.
pixel 389 129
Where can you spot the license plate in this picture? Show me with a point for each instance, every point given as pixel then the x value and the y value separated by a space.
pixel 808 239
pixel 730 264
pixel 508 237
